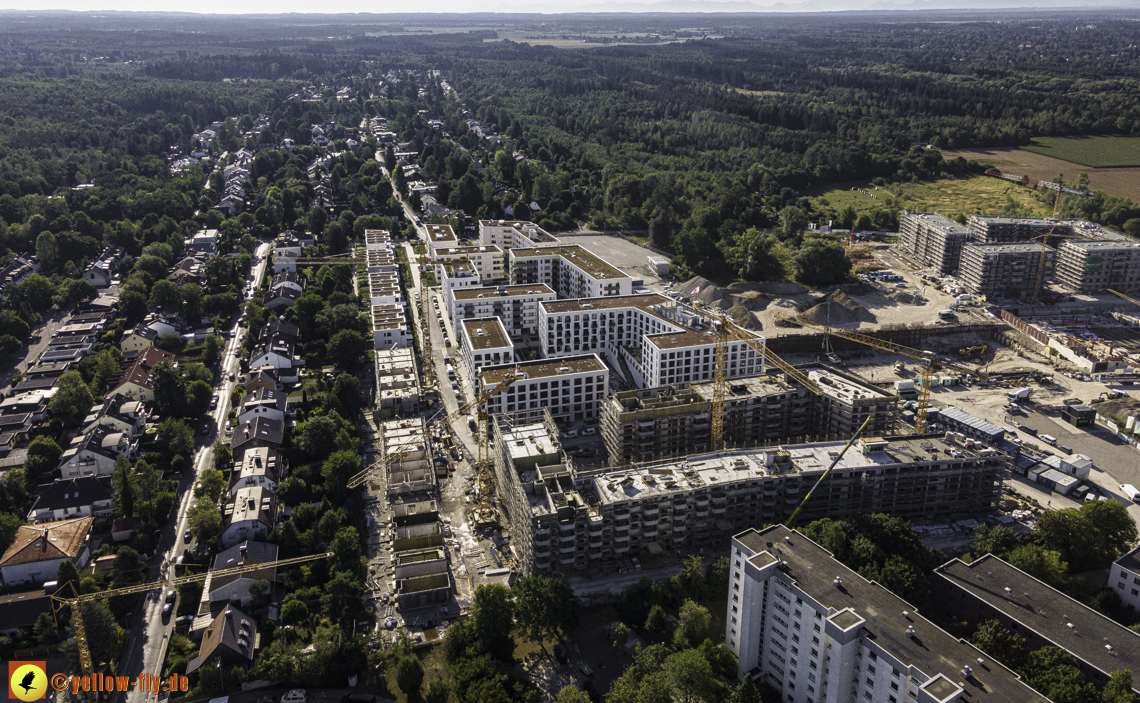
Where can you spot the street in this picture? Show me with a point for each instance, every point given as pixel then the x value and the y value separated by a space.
pixel 149 633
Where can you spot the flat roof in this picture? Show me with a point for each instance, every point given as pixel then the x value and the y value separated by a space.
pixel 1130 561
pixel 486 333
pixel 931 650
pixel 578 255
pixel 999 220
pixel 746 465
pixel 441 233
pixel 941 222
pixel 1046 611
pixel 1094 244
pixel 544 368
pixel 1009 247
pixel 491 292
pixel 467 251
pixel 641 302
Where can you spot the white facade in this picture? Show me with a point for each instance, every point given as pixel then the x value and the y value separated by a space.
pixel 1125 578
pixel 484 342
pixel 670 346
pixel 817 631
pixel 488 261
pixel 516 306
pixel 571 389
pixel 572 271
pixel 512 234
pixel 390 327
pixel 440 237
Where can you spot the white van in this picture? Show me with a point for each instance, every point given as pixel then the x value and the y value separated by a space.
pixel 590 430
pixel 1048 439
pixel 1130 492
pixel 297 695
pixel 571 433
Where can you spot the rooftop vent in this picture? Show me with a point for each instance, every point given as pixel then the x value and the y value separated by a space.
pixel 910 631
pixel 838 582
pixel 967 672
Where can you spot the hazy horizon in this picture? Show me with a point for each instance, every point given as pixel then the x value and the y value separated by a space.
pixel 388 7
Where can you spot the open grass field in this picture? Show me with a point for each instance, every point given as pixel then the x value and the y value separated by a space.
pixel 951 196
pixel 1121 182
pixel 1094 152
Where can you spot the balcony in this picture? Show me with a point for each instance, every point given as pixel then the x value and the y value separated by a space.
pixel 621 549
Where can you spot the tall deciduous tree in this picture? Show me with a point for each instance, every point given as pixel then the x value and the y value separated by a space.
pixel 493 614
pixel 72 399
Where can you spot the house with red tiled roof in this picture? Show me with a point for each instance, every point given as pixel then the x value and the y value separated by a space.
pixel 135 382
pixel 38 550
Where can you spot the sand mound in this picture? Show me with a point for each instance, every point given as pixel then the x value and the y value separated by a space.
pixel 750 299
pixel 743 317
pixel 843 311
pixel 698 283
pixel 725 303
pixel 709 294
pixel 768 287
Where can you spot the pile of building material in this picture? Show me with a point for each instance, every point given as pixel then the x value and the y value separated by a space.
pixel 743 317
pixel 842 310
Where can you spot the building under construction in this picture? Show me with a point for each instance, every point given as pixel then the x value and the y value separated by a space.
pixel 1087 266
pixel 563 520
pixel 671 421
pixel 1003 270
pixel 994 230
pixel 932 240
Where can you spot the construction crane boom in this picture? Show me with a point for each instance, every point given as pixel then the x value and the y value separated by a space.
pixel 929 364
pixel 1121 295
pixel 834 462
pixel 86 665
pixel 1045 248
pixel 728 330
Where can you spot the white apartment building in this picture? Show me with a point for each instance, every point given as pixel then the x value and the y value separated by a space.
pixel 455 275
pixel 381 260
pixel 440 237
pixel 817 631
pixel 572 271
pixel 660 341
pixel 374 238
pixel 384 288
pixel 487 260
pixel 484 342
pixel 570 388
pixel 390 327
pixel 513 234
pixel 1125 578
pixel 516 306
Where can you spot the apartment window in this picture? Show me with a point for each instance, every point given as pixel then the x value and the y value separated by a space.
pixel 894 686
pixel 870 682
pixel 870 669
pixel 895 672
pixel 867 695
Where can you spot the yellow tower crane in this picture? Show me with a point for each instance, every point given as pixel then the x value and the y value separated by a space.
pixel 1045 248
pixel 1121 295
pixel 929 364
pixel 75 601
pixel 728 330
pixel 391 457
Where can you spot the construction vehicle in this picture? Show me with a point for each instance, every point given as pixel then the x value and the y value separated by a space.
pixel 929 364
pixel 974 351
pixel 800 507
pixel 391 457
pixel 75 601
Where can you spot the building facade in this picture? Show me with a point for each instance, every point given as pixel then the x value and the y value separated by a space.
pixel 1004 270
pixel 570 389
pixel 572 271
pixel 932 240
pixel 1087 266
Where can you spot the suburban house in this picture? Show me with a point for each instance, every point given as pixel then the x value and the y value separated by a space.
pixel 281 331
pixel 137 339
pixel 19 425
pixel 236 588
pixel 249 513
pixel 134 383
pixel 262 403
pixel 33 403
pixel 229 640
pixel 288 280
pixel 285 259
pixel 100 273
pixel 164 323
pixel 260 466
pixel 264 377
pixel 119 413
pixel 38 550
pixel 124 528
pixel 86 496
pixel 279 355
pixel 281 298
pixel 94 453
pixel 258 432
pixel 20 610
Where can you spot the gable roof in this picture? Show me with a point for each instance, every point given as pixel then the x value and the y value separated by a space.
pixel 252 503
pixel 263 397
pixel 138 371
pixel 262 428
pixel 281 327
pixel 241 554
pixel 231 629
pixel 73 493
pixel 53 540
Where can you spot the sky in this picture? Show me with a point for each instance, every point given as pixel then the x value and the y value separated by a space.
pixel 545 6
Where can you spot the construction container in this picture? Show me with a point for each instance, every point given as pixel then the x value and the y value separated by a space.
pixel 1079 415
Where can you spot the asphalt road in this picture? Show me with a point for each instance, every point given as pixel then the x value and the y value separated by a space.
pixel 37 343
pixel 150 632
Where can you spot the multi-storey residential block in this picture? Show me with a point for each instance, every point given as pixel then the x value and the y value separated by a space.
pixel 657 340
pixel 990 588
pixel 484 342
pixel 384 288
pixel 488 261
pixel 587 521
pixel 455 275
pixel 993 230
pixel 513 234
pixel 932 240
pixel 397 382
pixel 390 327
pixel 572 271
pixel 516 306
pixel 1003 270
pixel 1125 578
pixel 817 631
pixel 570 388
pixel 440 237
pixel 1087 266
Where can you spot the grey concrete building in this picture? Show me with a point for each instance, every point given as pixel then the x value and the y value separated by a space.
pixel 931 240
pixel 1003 270
pixel 1088 266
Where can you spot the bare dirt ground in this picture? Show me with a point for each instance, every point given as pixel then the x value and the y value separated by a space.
pixel 1121 182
